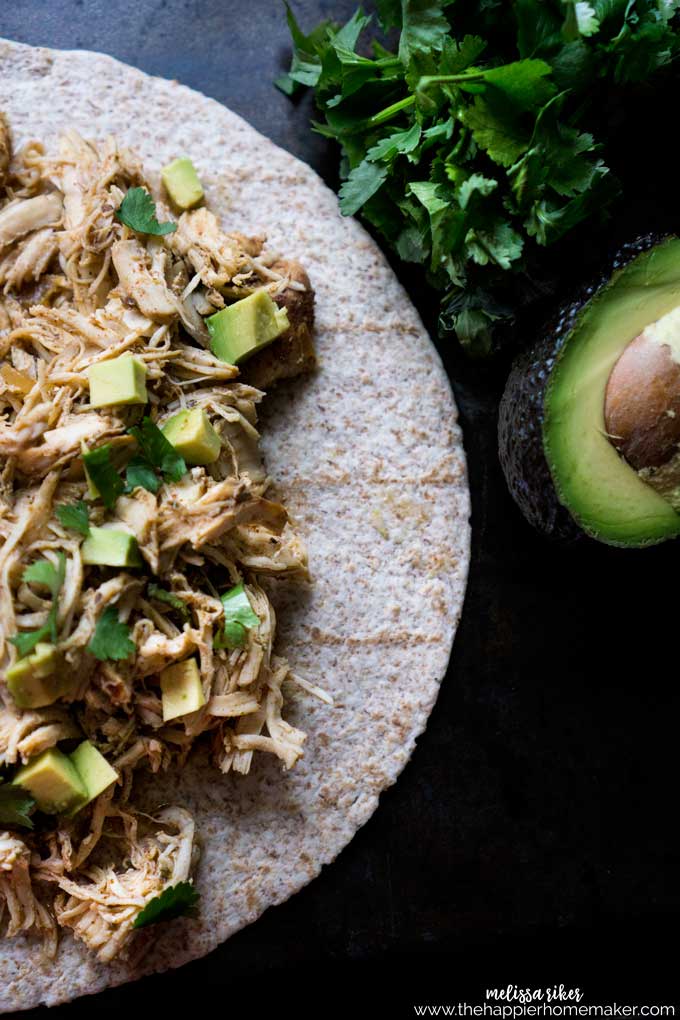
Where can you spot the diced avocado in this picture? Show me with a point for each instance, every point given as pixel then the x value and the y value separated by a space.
pixel 53 781
pixel 192 435
pixel 93 769
pixel 245 327
pixel 32 681
pixel 182 183
pixel 107 547
pixel 118 381
pixel 181 689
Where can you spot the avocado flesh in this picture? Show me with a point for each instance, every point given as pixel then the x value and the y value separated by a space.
pixel 192 435
pixel 120 380
pixel 181 689
pixel 53 781
pixel 32 681
pixel 107 547
pixel 182 183
pixel 601 491
pixel 241 329
pixel 94 770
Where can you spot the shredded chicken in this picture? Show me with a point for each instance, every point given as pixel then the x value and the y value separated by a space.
pixel 28 261
pixel 101 905
pixel 25 734
pixel 140 283
pixel 26 913
pixel 79 288
pixel 25 215
pixel 218 258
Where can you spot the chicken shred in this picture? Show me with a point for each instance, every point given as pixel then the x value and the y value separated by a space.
pixel 25 912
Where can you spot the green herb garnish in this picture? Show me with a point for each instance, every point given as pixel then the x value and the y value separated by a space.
pixel 162 595
pixel 469 147
pixel 26 641
pixel 175 901
pixel 111 638
pixel 139 473
pixel 103 475
pixel 45 573
pixel 42 572
pixel 239 617
pixel 138 212
pixel 15 805
pixel 156 453
pixel 75 516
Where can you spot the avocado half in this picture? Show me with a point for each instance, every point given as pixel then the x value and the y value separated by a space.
pixel 561 468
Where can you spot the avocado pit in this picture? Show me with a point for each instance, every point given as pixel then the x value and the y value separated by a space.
pixel 642 406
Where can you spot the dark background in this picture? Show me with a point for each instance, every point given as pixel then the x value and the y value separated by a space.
pixel 532 838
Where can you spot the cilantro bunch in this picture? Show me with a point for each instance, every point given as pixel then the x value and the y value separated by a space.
pixel 465 132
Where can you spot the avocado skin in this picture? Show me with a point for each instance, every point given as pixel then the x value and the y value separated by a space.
pixel 521 411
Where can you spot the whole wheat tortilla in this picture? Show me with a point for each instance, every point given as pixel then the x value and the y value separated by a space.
pixel 368 457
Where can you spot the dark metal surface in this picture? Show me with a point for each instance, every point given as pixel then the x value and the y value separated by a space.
pixel 532 837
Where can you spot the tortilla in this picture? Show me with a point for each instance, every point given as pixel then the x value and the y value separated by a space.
pixel 368 456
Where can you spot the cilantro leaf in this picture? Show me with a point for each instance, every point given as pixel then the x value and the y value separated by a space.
pixel 58 576
pixel 424 27
pixel 175 901
pixel 580 19
pixel 42 572
pixel 169 597
pixel 389 12
pixel 500 134
pixel 346 38
pixel 457 55
pixel 471 313
pixel 524 83
pixel 234 635
pixel 140 473
pixel 26 641
pixel 307 55
pixel 362 183
pixel 475 185
pixel 15 806
pixel 239 617
pixel 501 244
pixel 103 475
pixel 138 212
pixel 549 220
pixel 111 638
pixel 157 451
pixel 75 516
pixel 435 200
pixel 392 145
pixel 411 245
pixel 286 84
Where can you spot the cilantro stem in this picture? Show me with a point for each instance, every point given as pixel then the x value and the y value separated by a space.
pixel 423 83
pixel 448 79
pixel 391 111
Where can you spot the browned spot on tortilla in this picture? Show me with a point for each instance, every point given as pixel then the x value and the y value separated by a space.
pixel 386 638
